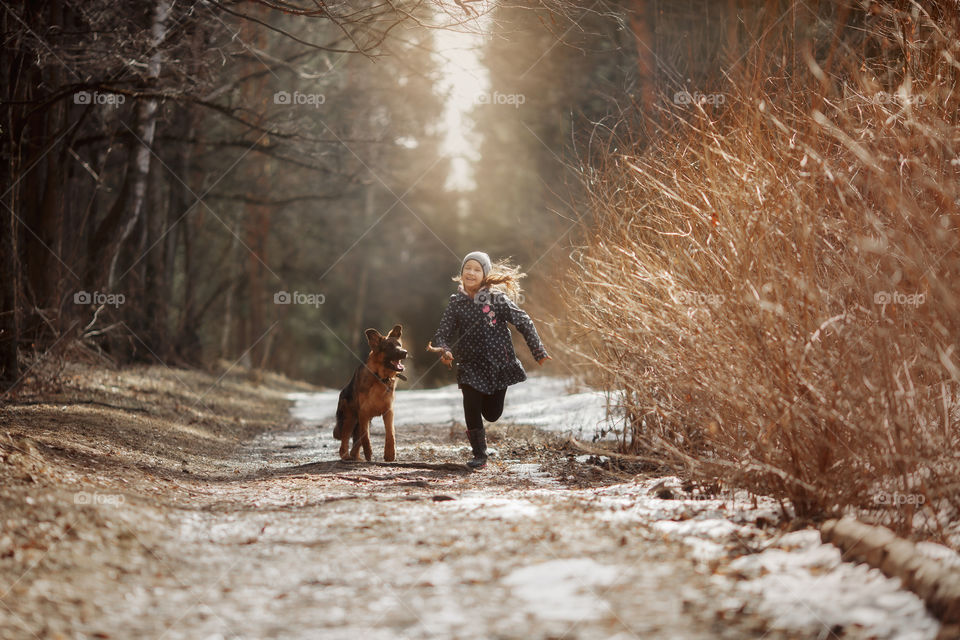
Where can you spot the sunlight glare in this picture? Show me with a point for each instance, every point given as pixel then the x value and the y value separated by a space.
pixel 463 79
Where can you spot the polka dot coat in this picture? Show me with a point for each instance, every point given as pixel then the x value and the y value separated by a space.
pixel 475 331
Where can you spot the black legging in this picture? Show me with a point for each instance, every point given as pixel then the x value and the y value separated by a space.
pixel 477 406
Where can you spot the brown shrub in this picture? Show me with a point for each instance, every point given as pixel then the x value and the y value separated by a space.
pixel 772 281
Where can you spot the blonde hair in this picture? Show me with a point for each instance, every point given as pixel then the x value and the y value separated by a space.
pixel 504 277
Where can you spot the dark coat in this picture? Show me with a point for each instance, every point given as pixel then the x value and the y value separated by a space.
pixel 476 332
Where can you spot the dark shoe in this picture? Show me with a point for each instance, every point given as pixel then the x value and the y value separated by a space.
pixel 478 442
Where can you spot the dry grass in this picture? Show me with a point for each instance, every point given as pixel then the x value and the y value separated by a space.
pixel 772 281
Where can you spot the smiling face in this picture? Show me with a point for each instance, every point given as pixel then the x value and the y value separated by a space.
pixel 472 275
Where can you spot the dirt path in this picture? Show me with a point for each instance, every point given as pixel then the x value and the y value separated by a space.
pixel 254 531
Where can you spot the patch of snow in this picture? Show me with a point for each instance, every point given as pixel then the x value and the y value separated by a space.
pixel 532 472
pixel 807 586
pixel 562 589
pixel 585 458
pixel 715 529
pixel 945 555
pixel 802 539
pixel 541 402
pixel 544 402
pixel 486 506
pixel 706 537
pixel 796 582
pixel 637 502
pixel 704 550
pixel 437 574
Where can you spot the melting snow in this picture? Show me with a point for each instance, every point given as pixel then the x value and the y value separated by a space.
pixel 542 402
pixel 562 589
pixel 794 580
pixel 810 587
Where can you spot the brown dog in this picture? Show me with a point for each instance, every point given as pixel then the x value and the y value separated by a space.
pixel 370 394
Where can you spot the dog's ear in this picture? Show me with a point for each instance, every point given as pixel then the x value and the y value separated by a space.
pixel 373 337
pixel 395 332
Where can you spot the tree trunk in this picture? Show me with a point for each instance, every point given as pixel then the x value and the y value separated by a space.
pixel 9 286
pixel 642 22
pixel 233 263
pixel 360 305
pixel 9 329
pixel 146 128
pixel 17 78
pixel 258 222
pixel 154 290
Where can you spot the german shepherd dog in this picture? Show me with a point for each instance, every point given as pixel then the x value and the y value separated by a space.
pixel 370 394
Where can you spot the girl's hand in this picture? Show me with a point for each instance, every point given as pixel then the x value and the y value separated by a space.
pixel 542 360
pixel 445 356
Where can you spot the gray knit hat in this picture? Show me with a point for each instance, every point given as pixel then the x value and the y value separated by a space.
pixel 480 257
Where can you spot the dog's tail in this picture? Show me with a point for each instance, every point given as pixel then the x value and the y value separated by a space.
pixel 338 428
pixel 342 412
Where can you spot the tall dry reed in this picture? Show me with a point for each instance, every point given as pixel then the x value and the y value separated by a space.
pixel 771 278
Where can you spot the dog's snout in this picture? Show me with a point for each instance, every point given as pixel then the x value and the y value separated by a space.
pixel 403 353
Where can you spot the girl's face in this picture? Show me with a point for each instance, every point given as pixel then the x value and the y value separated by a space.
pixel 472 274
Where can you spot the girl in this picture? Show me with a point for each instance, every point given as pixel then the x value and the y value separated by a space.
pixel 474 329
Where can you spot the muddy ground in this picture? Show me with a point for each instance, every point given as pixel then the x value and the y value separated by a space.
pixel 161 503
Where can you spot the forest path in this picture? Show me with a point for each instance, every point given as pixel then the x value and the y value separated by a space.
pixel 308 547
pixel 119 524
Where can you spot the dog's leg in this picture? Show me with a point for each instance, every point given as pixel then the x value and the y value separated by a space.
pixel 345 432
pixel 355 439
pixel 365 440
pixel 389 449
pixel 362 440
